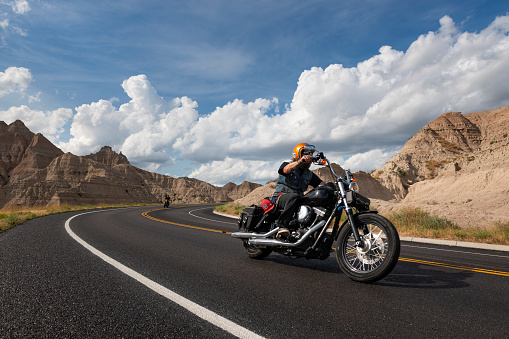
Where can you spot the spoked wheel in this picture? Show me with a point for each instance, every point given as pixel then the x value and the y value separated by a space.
pixel 255 252
pixel 378 254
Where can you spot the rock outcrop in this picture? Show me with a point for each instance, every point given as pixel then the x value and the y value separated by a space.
pixel 455 167
pixel 34 172
pixel 235 192
pixel 446 143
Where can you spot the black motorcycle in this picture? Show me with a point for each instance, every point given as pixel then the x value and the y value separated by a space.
pixel 367 244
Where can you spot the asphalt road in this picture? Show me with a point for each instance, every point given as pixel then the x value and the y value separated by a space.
pixel 176 273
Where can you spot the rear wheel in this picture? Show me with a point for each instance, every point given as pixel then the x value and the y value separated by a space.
pixel 379 253
pixel 255 252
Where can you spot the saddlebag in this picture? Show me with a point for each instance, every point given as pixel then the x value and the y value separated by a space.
pixel 358 201
pixel 249 217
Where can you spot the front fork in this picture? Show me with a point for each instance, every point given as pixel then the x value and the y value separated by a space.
pixel 355 230
pixel 351 218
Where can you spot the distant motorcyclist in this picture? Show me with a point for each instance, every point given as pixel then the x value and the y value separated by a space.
pixel 294 178
pixel 167 201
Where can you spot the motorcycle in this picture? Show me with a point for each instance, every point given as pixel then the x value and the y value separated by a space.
pixel 367 244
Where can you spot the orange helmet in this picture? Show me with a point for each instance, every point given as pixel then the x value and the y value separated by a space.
pixel 302 149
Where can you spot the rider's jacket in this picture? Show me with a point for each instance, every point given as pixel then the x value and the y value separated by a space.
pixel 295 182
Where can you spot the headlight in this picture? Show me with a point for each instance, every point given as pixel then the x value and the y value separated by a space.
pixel 354 187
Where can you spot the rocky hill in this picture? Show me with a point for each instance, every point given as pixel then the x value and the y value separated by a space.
pixel 455 167
pixel 34 172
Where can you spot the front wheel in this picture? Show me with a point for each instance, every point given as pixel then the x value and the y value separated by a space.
pixel 379 253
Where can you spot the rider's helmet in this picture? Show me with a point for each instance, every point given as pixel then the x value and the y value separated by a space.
pixel 303 149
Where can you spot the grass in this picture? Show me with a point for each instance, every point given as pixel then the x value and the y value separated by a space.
pixel 230 208
pixel 414 222
pixel 13 216
pixel 418 223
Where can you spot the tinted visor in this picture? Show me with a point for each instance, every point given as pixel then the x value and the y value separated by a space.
pixel 308 150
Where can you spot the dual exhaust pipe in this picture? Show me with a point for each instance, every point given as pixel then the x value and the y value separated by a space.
pixel 263 239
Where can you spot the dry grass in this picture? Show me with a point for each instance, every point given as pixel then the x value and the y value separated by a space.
pixel 12 216
pixel 432 166
pixel 418 223
pixel 230 208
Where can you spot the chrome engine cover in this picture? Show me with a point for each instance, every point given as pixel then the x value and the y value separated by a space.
pixel 306 215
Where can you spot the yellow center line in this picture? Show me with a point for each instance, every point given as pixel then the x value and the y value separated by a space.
pixel 145 214
pixel 431 263
pixel 464 268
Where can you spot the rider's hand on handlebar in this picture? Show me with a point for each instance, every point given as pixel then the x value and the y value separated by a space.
pixel 306 159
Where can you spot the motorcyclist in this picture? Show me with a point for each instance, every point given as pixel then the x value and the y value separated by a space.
pixel 294 178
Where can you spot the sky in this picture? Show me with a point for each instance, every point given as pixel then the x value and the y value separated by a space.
pixel 222 90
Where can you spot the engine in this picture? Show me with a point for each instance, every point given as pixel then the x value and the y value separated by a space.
pixel 308 215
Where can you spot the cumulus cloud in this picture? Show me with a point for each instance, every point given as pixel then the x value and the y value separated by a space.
pixel 14 80
pixel 369 160
pixel 235 170
pixel 49 123
pixel 363 113
pixel 144 129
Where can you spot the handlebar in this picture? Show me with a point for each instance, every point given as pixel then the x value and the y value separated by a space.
pixel 320 159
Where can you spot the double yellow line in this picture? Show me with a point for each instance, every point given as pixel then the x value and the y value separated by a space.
pixel 416 261
pixel 464 268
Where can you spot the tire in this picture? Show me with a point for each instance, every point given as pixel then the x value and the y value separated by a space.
pixel 255 252
pixel 379 255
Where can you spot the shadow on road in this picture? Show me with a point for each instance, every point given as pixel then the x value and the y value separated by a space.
pixel 412 275
pixel 404 275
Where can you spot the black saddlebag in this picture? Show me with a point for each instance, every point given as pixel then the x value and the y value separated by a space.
pixel 249 217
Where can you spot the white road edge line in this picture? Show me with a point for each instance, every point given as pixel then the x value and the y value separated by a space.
pixel 196 309
pixel 223 222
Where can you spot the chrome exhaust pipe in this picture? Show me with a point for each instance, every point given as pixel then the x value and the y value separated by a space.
pixel 274 243
pixel 246 235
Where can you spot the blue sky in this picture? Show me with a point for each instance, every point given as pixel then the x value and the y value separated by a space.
pixel 223 90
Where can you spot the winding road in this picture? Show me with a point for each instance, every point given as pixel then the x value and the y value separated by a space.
pixel 148 272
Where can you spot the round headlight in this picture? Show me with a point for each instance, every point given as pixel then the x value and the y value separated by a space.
pixel 354 187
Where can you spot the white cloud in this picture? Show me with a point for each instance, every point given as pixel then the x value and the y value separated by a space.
pixel 236 170
pixel 14 80
pixel 361 113
pixel 369 160
pixel 49 123
pixel 144 129
pixel 20 6
pixel 364 109
pixel 17 6
pixel 35 98
pixel 4 23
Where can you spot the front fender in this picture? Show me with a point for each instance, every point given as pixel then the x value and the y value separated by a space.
pixel 368 211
